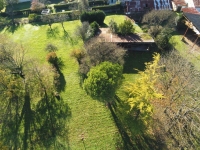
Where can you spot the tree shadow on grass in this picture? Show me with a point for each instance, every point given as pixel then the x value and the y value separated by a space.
pixel 133 132
pixel 12 28
pixel 35 127
pixel 136 60
pixel 53 32
pixel 60 81
pixel 72 40
pixel 50 123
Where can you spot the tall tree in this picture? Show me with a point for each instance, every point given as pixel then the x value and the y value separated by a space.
pixel 49 19
pixel 97 51
pixel 160 24
pixel 62 18
pixel 143 91
pixel 83 5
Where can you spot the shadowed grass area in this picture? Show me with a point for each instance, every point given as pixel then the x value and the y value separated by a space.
pixel 191 54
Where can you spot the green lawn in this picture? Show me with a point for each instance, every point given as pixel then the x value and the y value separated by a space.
pixel 89 118
pixel 192 55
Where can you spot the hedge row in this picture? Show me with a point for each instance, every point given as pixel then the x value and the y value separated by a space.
pixel 108 8
pixel 71 15
pixel 66 6
pixel 97 3
pixel 92 16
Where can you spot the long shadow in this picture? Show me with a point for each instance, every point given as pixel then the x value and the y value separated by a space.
pixel 50 123
pixel 133 132
pixel 53 32
pixel 136 60
pixel 13 28
pixel 59 79
pixel 72 40
pixel 62 82
pixel 127 143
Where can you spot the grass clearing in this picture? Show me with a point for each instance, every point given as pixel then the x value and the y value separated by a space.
pixel 90 119
pixel 191 54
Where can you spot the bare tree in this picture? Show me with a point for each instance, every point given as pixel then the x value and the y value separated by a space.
pixel 62 18
pixel 97 51
pixel 157 19
pixel 49 19
pixel 179 111
pixel 83 5
pixel 82 31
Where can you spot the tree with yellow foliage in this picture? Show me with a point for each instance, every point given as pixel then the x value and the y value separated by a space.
pixel 143 90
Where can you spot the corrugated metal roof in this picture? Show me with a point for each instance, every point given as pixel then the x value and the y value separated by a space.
pixel 194 18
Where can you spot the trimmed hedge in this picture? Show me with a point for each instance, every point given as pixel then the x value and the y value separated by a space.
pixel 33 17
pixel 24 12
pixel 72 15
pixel 97 3
pixel 67 6
pixel 108 8
pixel 92 16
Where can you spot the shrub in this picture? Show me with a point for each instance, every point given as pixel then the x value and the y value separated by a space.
pixel 92 16
pixel 51 48
pixel 78 54
pixel 113 26
pixel 126 27
pixel 95 27
pixel 108 8
pixel 52 58
pixel 33 17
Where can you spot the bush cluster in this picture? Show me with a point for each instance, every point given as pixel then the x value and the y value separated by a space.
pixel 33 17
pixel 108 8
pixel 96 3
pixel 67 6
pixel 92 16
pixel 52 58
pixel 95 27
pixel 124 28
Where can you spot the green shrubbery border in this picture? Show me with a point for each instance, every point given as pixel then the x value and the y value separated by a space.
pixel 108 8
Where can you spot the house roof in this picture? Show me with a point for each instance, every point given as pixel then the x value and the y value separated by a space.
pixel 106 36
pixel 194 18
pixel 180 2
pixel 190 10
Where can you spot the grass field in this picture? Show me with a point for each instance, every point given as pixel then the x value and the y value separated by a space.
pixel 89 119
pixel 191 54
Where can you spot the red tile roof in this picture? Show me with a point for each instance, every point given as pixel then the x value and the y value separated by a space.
pixel 190 10
pixel 180 2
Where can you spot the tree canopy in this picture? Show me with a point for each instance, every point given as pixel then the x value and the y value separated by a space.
pixel 97 52
pixel 143 90
pixel 103 80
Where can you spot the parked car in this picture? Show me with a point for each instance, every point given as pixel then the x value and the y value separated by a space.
pixel 45 11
